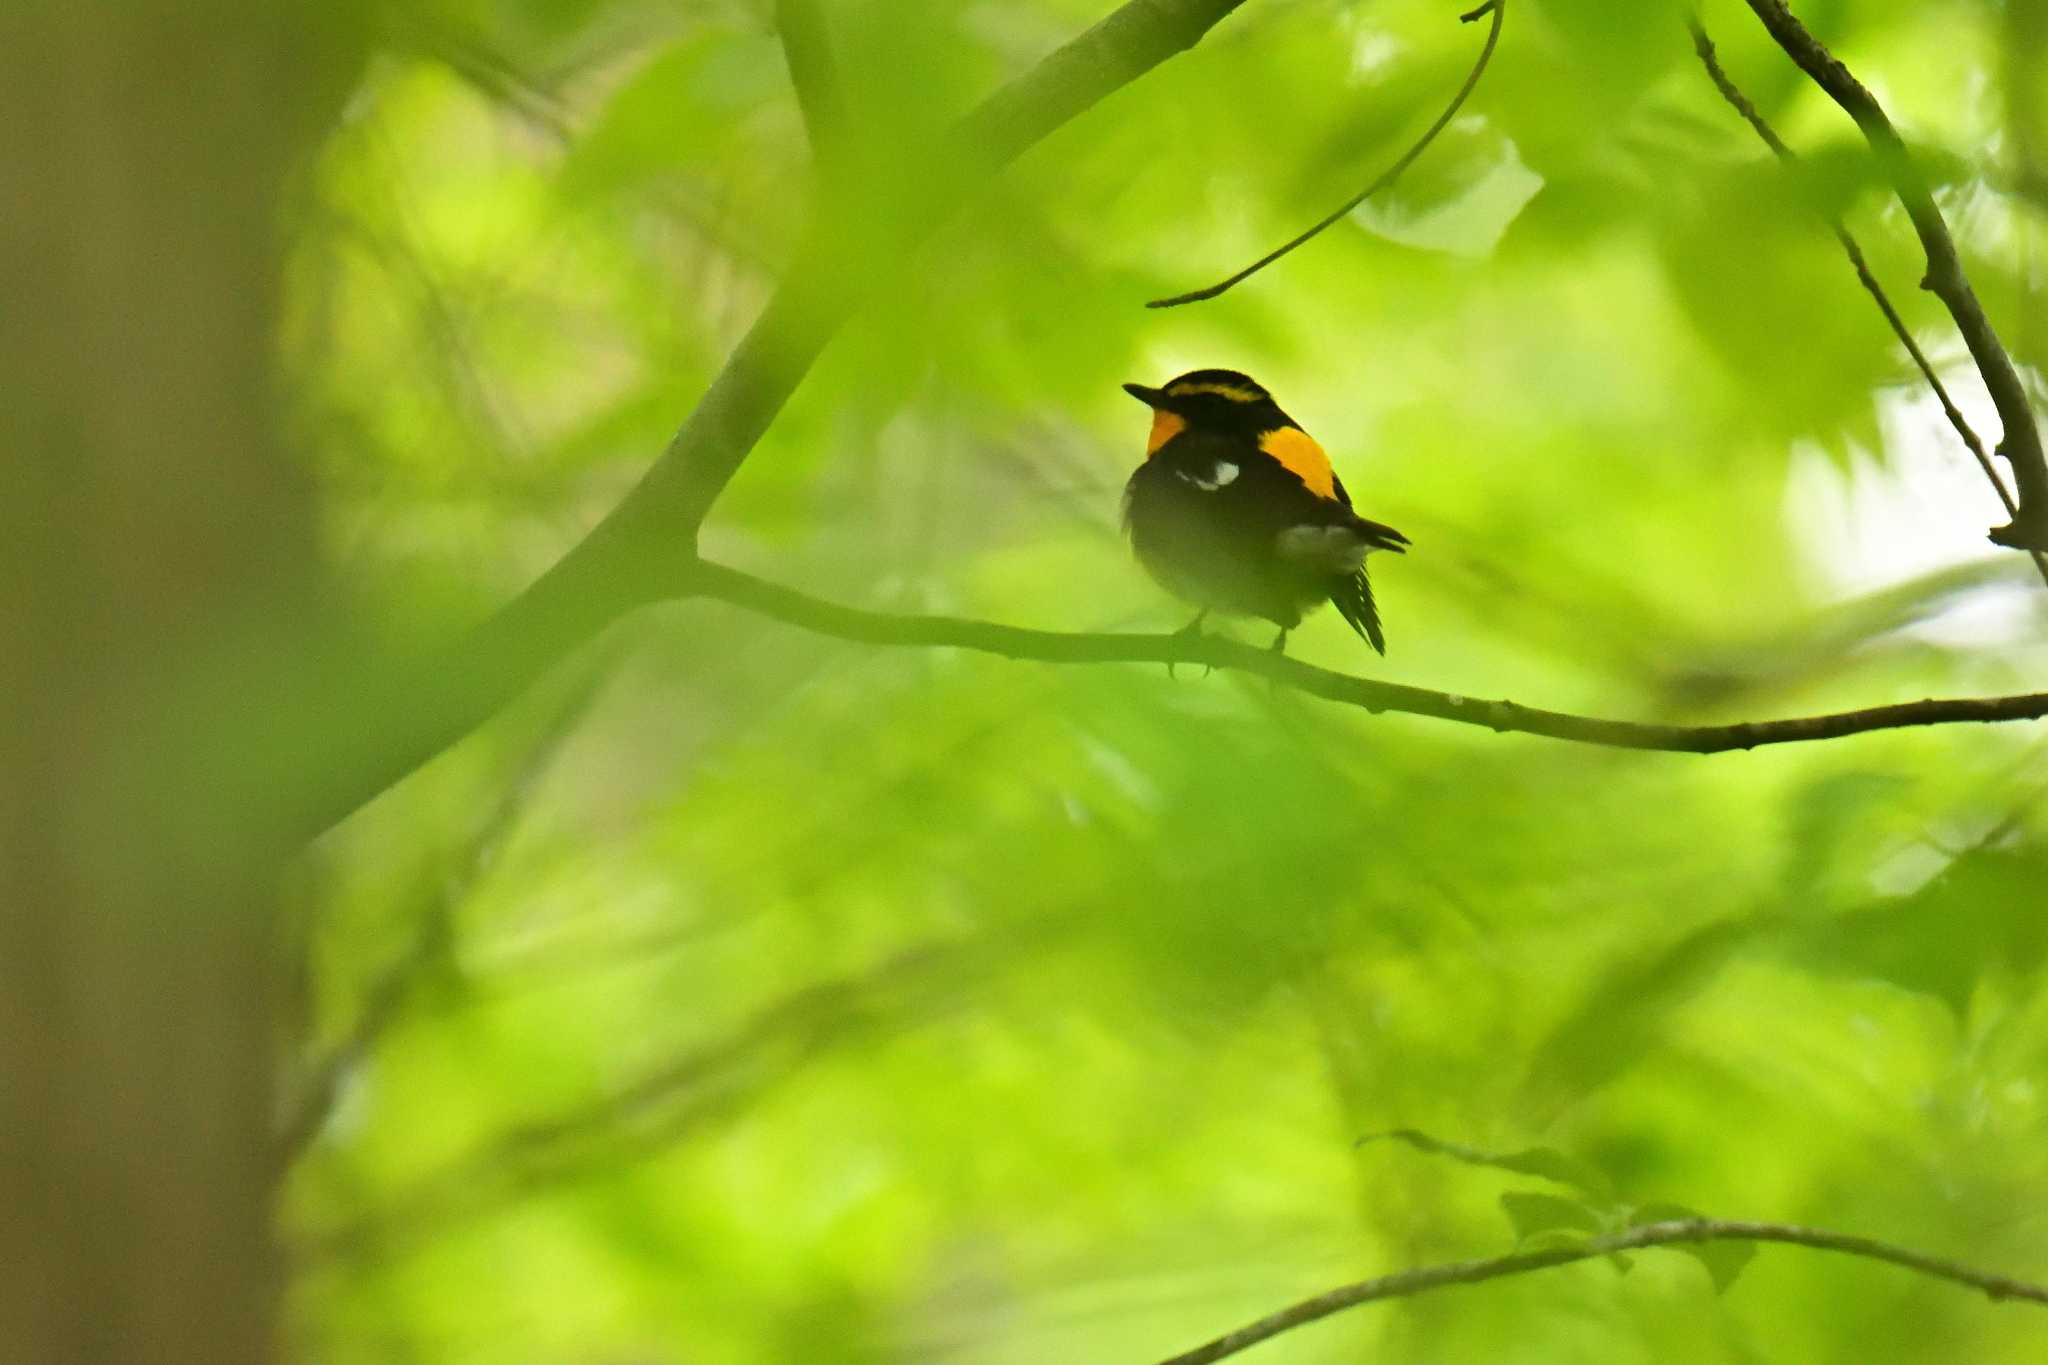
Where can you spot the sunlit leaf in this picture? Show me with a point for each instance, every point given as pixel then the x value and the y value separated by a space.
pixel 1724 1260
pixel 1535 1215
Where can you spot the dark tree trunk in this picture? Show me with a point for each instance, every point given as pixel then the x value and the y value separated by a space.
pixel 153 540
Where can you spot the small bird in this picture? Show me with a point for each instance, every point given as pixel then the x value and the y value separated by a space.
pixel 1237 510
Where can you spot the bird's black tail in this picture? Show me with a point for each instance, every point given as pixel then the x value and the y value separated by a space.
pixel 1353 597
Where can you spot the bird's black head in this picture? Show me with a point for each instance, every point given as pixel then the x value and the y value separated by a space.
pixel 1216 400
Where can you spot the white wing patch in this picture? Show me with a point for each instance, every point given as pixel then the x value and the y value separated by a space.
pixel 1338 549
pixel 1224 473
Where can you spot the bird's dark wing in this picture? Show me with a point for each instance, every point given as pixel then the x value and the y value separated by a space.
pixel 1379 535
pixel 1352 594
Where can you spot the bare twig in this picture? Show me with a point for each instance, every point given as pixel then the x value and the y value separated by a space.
pixel 1013 642
pixel 1704 46
pixel 1680 1232
pixel 2021 442
pixel 1498 9
pixel 382 728
pixel 382 1005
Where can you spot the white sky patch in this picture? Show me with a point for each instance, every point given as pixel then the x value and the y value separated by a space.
pixel 1372 51
pixel 1924 509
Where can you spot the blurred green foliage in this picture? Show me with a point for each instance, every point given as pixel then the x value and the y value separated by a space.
pixel 754 997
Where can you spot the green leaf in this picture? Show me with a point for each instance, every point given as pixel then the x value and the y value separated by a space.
pixel 1941 940
pixel 1724 1261
pixel 1836 812
pixel 1557 1239
pixel 1533 1215
pixel 1625 1013
pixel 1547 1163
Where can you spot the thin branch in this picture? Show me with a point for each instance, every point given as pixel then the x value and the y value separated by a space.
pixel 722 584
pixel 378 729
pixel 383 1003
pixel 1498 9
pixel 1680 1232
pixel 2021 443
pixel 1704 46
pixel 807 50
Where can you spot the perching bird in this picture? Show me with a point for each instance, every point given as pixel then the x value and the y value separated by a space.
pixel 1237 510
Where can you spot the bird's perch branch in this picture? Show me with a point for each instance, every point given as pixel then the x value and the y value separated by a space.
pixel 2021 443
pixel 1682 1232
pixel 1498 9
pixel 715 582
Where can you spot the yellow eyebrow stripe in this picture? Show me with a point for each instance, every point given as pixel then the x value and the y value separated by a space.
pixel 1235 392
pixel 1297 451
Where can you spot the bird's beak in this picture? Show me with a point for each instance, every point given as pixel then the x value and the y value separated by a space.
pixel 1151 398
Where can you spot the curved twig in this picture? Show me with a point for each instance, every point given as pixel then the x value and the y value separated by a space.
pixel 716 582
pixel 1498 9
pixel 1704 47
pixel 2021 442
pixel 1680 1232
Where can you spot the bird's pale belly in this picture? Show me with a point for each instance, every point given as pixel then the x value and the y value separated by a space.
pixel 1180 543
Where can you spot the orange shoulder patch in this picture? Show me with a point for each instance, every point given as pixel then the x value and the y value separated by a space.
pixel 1165 426
pixel 1298 451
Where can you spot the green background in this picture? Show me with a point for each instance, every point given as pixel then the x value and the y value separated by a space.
pixel 743 995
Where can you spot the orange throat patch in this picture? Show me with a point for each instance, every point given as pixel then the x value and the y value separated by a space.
pixel 1297 451
pixel 1165 426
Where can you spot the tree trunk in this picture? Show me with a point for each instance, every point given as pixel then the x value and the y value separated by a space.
pixel 153 536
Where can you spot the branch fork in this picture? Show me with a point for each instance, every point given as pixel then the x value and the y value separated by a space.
pixel 2021 445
